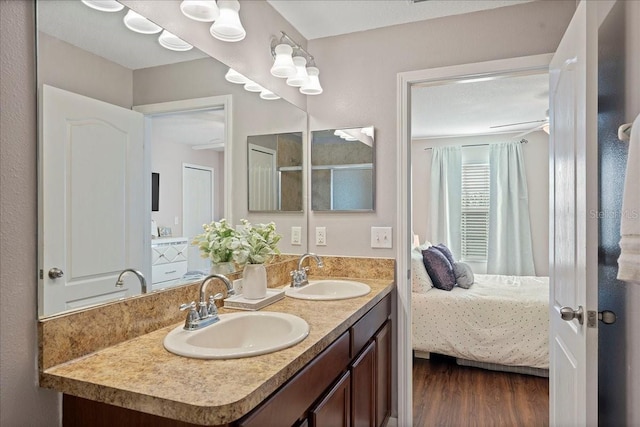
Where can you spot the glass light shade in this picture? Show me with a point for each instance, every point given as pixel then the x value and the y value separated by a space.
pixel 301 78
pixel 283 65
pixel 200 10
pixel 235 77
pixel 252 86
pixel 104 5
pixel 173 42
pixel 227 26
pixel 140 24
pixel 313 86
pixel 268 95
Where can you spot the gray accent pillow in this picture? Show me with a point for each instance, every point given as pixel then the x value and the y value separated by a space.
pixel 464 274
pixel 439 268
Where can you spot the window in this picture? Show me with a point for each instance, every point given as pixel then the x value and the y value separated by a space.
pixel 475 211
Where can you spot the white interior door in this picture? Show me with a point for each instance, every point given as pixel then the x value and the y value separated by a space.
pixel 197 208
pixel 573 232
pixel 263 186
pixel 92 200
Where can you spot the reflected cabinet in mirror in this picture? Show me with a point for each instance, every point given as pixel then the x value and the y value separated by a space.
pixel 126 124
pixel 275 172
pixel 343 169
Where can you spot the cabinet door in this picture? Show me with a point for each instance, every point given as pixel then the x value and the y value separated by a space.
pixel 363 396
pixel 383 374
pixel 335 408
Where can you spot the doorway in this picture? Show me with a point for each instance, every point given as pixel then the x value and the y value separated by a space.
pixel 405 81
pixel 197 208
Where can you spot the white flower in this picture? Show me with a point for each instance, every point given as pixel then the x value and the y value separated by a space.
pixel 215 243
pixel 255 244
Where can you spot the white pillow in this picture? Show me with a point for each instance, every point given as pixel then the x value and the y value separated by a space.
pixel 420 280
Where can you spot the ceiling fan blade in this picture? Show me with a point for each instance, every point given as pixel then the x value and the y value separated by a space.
pixel 519 123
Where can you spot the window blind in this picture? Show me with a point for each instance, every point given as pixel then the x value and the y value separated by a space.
pixel 475 211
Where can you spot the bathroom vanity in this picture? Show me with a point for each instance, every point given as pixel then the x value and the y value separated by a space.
pixel 339 375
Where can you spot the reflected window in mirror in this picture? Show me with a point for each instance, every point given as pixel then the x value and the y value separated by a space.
pixel 343 170
pixel 274 166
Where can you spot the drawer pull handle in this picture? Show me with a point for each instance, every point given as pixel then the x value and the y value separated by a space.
pixel 169 272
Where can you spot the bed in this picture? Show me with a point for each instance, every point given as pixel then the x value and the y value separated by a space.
pixel 500 322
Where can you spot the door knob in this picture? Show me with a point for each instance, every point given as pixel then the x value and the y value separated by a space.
pixel 568 314
pixel 607 317
pixel 55 273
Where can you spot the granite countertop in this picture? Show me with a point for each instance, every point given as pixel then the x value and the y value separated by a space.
pixel 140 374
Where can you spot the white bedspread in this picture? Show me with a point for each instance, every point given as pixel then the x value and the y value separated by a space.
pixel 500 319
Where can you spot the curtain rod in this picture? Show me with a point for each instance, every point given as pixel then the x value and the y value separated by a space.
pixel 522 141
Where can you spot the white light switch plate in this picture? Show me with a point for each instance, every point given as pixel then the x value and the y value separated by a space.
pixel 321 236
pixel 296 236
pixel 381 237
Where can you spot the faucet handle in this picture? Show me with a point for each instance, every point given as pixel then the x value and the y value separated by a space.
pixel 212 307
pixel 191 305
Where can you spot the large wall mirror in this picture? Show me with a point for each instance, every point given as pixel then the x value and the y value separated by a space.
pixel 342 169
pixel 192 159
pixel 274 166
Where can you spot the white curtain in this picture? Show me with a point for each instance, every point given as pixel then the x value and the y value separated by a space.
pixel 510 250
pixel 445 206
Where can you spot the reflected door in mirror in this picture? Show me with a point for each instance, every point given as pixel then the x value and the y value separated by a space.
pixel 93 205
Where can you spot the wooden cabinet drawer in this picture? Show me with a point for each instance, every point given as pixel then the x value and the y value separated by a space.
pixel 364 329
pixel 287 405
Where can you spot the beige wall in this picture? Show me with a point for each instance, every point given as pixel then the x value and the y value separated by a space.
pixel 536 162
pixel 359 72
pixel 21 401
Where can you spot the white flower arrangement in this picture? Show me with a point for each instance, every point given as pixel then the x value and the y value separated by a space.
pixel 255 244
pixel 216 243
pixel 250 244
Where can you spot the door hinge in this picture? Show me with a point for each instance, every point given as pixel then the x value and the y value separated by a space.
pixel 41 274
pixel 606 316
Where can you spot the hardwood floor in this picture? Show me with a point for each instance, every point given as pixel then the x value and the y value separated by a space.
pixel 445 394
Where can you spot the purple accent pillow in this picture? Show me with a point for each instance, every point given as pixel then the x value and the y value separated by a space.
pixel 439 268
pixel 446 252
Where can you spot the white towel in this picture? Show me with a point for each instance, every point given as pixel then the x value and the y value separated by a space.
pixel 629 261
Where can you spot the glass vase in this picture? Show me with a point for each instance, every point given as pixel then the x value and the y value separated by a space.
pixel 223 267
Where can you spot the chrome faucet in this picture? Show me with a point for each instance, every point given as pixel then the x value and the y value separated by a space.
pixel 206 312
pixel 143 282
pixel 299 276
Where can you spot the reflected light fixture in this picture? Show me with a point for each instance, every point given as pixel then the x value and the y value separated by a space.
pixel 140 24
pixel 283 65
pixel 172 42
pixel 252 86
pixel 301 78
pixel 233 76
pixel 200 10
pixel 104 5
pixel 268 95
pixel 313 86
pixel 227 27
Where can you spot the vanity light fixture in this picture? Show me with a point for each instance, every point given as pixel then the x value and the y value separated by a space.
pixel 104 5
pixel 299 69
pixel 172 42
pixel 227 27
pixel 225 15
pixel 313 86
pixel 301 78
pixel 233 76
pixel 140 24
pixel 200 10
pixel 283 65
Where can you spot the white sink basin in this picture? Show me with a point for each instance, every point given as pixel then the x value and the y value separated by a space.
pixel 328 290
pixel 238 335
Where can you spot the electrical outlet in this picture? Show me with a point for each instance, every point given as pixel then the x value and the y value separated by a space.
pixel 321 236
pixel 381 237
pixel 296 236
